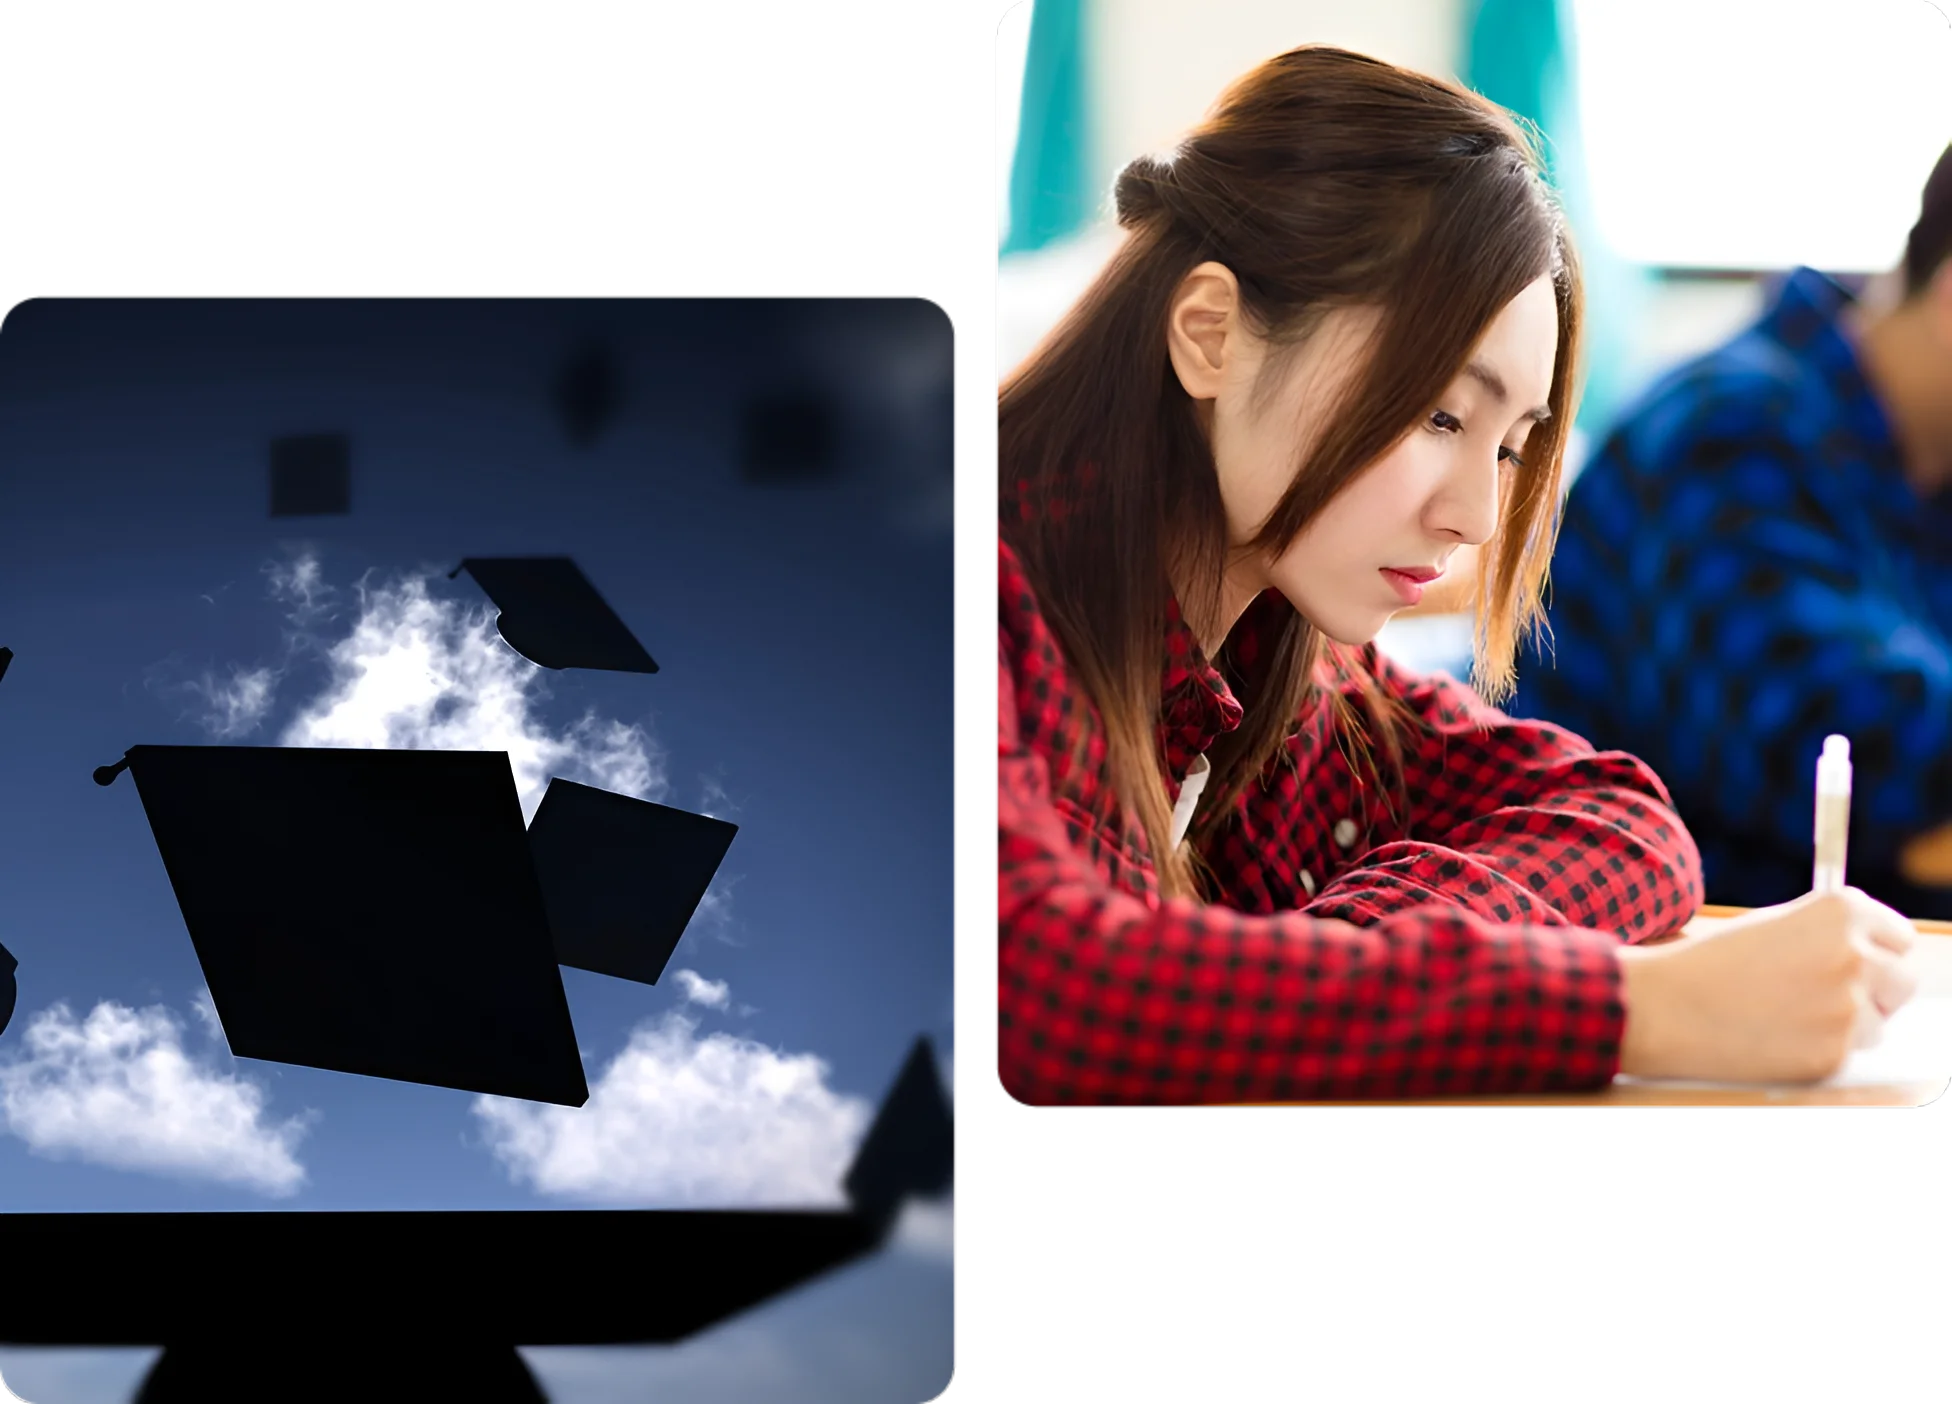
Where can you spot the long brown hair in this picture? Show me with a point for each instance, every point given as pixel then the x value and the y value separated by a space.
pixel 1323 179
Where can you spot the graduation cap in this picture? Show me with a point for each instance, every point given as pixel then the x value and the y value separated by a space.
pixel 553 616
pixel 621 876
pixel 9 991
pixel 909 1151
pixel 6 657
pixel 311 476
pixel 464 1287
pixel 366 911
pixel 789 437
pixel 588 390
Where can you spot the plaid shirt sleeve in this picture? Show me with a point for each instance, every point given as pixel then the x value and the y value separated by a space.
pixel 1105 996
pixel 1512 820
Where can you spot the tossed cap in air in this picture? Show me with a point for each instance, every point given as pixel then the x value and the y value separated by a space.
pixel 366 911
pixel 622 877
pixel 553 616
pixel 9 991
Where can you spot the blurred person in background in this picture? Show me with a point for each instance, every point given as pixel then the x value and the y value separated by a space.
pixel 1759 555
pixel 1242 855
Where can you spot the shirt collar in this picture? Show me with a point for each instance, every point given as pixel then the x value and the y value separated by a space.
pixel 1805 318
pixel 1196 706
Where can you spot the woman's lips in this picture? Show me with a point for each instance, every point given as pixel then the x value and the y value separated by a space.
pixel 1409 584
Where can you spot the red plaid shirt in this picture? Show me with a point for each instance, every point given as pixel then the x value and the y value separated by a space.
pixel 1468 948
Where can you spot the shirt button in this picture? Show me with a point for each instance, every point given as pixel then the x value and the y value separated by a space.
pixel 1345 832
pixel 1308 882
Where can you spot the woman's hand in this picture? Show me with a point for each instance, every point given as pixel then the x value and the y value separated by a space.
pixel 1780 994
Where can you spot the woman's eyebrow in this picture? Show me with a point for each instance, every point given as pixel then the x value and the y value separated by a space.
pixel 1495 383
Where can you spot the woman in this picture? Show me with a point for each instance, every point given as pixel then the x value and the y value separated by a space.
pixel 1242 856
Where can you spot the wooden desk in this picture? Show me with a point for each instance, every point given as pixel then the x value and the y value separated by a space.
pixel 1927 859
pixel 1935 958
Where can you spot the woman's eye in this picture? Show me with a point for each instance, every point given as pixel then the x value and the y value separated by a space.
pixel 1444 422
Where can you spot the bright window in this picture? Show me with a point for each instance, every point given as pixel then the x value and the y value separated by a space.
pixel 1724 134
pixel 1012 45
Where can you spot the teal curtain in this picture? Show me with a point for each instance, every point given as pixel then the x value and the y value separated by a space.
pixel 1523 55
pixel 1051 191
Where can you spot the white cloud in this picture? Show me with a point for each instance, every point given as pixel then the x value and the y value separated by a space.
pixel 118 1089
pixel 716 803
pixel 714 911
pixel 713 915
pixel 678 1120
pixel 300 585
pixel 420 673
pixel 205 1008
pixel 714 994
pixel 236 707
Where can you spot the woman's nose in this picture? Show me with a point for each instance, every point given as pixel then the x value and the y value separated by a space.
pixel 1466 505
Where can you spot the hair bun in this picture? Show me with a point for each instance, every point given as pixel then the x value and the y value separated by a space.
pixel 1143 190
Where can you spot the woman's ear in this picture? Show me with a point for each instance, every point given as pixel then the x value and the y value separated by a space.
pixel 1204 332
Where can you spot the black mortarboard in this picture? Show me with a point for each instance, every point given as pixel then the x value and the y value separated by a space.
pixel 553 616
pixel 588 390
pixel 366 911
pixel 6 657
pixel 910 1149
pixel 788 437
pixel 311 476
pixel 621 876
pixel 9 991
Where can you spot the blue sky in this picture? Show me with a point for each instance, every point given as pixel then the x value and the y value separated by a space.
pixel 803 635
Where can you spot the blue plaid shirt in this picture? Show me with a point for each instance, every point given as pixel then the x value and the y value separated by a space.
pixel 1742 570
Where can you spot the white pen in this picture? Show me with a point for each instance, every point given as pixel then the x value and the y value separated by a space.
pixel 1832 813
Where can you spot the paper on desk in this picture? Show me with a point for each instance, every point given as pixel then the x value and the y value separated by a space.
pixel 1916 1049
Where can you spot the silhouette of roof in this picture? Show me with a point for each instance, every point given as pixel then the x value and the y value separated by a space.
pixel 513 1276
